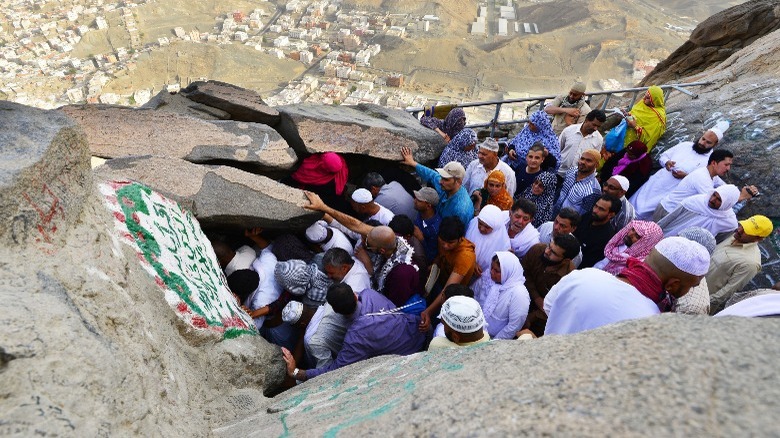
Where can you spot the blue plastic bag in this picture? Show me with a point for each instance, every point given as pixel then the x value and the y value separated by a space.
pixel 616 138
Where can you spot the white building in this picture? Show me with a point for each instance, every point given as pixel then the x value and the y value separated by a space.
pixel 282 41
pixel 502 27
pixel 101 23
pixel 478 27
pixel 297 33
pixel 306 57
pixel 179 32
pixel 240 36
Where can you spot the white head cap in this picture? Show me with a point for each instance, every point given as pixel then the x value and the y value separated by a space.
pixel 688 256
pixel 292 312
pixel 720 128
pixel 317 232
pixel 622 180
pixel 462 314
pixel 362 196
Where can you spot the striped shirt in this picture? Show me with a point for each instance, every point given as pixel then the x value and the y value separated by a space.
pixel 573 192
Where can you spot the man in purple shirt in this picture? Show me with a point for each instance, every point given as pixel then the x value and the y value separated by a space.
pixel 373 331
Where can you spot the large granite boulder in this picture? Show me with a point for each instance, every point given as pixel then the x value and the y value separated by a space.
pixel 115 132
pixel 717 38
pixel 671 375
pixel 219 196
pixel 177 103
pixel 121 322
pixel 363 129
pixel 44 178
pixel 744 89
pixel 242 104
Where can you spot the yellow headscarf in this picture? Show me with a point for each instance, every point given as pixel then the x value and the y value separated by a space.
pixel 650 121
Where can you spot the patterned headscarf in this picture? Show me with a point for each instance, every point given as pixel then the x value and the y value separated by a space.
pixel 649 236
pixel 526 138
pixel 503 200
pixel 454 151
pixel 402 256
pixel 545 201
pixel 304 280
pixel 451 125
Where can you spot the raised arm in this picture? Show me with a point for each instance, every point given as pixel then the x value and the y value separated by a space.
pixel 316 204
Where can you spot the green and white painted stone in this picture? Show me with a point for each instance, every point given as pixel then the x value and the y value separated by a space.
pixel 172 248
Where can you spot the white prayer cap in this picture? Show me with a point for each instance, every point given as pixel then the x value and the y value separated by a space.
pixel 292 312
pixel 701 236
pixel 688 256
pixel 462 314
pixel 317 232
pixel 362 196
pixel 622 180
pixel 720 128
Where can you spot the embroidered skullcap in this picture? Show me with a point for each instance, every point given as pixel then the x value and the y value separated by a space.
pixel 317 232
pixel 701 236
pixel 489 144
pixel 292 312
pixel 578 87
pixel 720 128
pixel 593 154
pixel 362 196
pixel 462 314
pixel 688 256
pixel 622 180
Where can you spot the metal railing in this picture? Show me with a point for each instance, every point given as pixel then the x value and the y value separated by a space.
pixel 540 101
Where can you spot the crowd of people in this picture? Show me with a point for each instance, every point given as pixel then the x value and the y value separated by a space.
pixel 551 234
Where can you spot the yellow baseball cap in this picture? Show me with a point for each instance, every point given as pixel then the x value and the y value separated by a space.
pixel 758 226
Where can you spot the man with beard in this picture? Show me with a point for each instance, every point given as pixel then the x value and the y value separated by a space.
pixel 580 182
pixel 712 211
pixel 565 222
pixel 677 162
pixel 391 267
pixel 544 265
pixel 568 110
pixel 736 260
pixel 697 182
pixel 596 229
pixel 635 240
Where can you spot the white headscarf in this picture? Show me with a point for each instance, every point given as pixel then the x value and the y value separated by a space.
pixel 486 245
pixel 715 221
pixel 511 277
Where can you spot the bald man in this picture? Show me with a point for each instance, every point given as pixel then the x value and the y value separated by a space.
pixel 591 298
pixel 387 257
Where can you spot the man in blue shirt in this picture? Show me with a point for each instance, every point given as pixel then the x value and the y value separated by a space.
pixel 448 183
pixel 373 330
pixel 427 221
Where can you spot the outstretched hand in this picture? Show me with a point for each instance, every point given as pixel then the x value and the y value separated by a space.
pixel 289 360
pixel 406 156
pixel 315 202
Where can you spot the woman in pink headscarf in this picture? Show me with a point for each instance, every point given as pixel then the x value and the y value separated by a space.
pixel 324 174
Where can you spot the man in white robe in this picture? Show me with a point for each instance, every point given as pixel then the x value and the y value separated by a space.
pixel 676 162
pixel 711 211
pixel 591 298
pixel 697 182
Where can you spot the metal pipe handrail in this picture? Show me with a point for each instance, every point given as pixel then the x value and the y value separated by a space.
pixel 540 100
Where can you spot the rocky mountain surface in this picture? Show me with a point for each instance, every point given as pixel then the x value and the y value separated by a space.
pixel 717 38
pixel 107 327
pixel 672 375
pixel 219 196
pixel 116 319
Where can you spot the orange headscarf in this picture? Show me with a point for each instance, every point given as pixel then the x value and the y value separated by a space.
pixel 502 200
